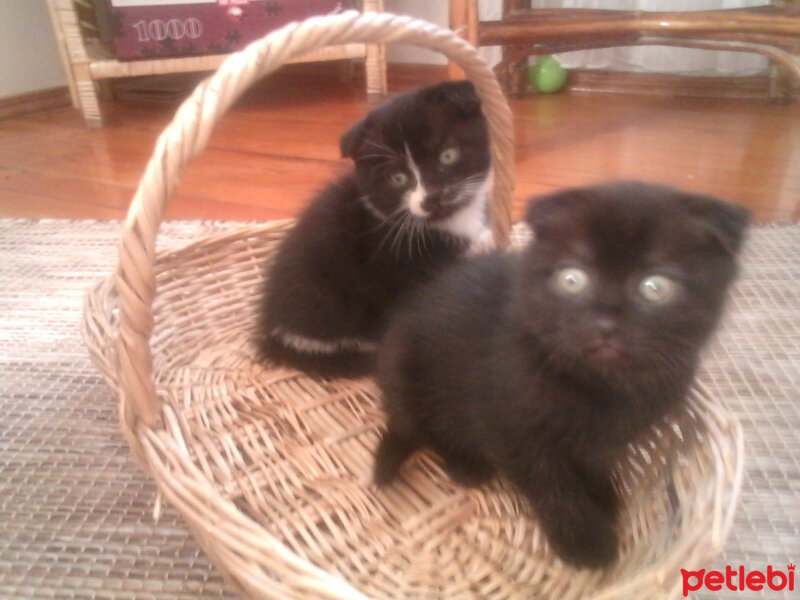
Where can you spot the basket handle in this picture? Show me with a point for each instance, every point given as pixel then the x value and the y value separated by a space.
pixel 187 135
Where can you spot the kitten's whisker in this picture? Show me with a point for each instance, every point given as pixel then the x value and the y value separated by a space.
pixel 384 238
pixel 419 234
pixel 397 242
pixel 397 211
pixel 385 219
pixel 476 179
pixel 467 188
pixel 396 231
pixel 423 231
pixel 402 231
pixel 412 234
pixel 479 177
pixel 392 226
pixel 409 232
pixel 412 227
pixel 675 339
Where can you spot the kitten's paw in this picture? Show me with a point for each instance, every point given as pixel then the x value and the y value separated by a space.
pixel 588 542
pixel 392 452
pixel 483 244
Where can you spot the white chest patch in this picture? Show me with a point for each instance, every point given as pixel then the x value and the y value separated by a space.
pixel 470 221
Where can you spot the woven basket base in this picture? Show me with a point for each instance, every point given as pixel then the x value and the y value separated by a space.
pixel 294 455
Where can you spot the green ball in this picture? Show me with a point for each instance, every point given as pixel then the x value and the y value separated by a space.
pixel 547 75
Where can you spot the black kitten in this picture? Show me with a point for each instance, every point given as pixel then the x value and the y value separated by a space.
pixel 544 365
pixel 416 201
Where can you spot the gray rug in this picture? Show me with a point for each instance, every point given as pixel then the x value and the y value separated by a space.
pixel 76 511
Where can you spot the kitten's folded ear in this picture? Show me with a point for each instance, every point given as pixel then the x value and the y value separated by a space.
pixel 461 94
pixel 352 139
pixel 724 223
pixel 545 211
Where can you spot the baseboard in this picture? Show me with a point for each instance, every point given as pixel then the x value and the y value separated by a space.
pixel 619 82
pixel 23 104
pixel 658 84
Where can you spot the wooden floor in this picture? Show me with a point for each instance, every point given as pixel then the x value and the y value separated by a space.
pixel 280 143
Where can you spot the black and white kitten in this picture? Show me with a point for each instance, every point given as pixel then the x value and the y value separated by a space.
pixel 543 365
pixel 416 201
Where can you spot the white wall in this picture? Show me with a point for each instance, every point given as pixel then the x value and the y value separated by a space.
pixel 29 58
pixel 438 12
pixel 435 11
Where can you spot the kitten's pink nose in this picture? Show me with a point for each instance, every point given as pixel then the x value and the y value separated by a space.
pixel 605 326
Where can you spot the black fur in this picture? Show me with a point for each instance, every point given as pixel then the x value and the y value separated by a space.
pixel 355 251
pixel 499 370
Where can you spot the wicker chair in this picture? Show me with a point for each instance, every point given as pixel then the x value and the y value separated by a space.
pixel 89 67
pixel 772 31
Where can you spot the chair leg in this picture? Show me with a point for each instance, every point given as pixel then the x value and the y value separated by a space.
pixel 87 97
pixel 375 63
pixel 780 83
pixel 518 78
pixel 464 21
pixel 512 70
pixel 376 71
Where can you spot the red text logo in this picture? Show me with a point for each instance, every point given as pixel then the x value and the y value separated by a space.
pixel 738 580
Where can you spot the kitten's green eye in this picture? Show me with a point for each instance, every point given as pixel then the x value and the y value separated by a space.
pixel 657 289
pixel 398 179
pixel 571 281
pixel 449 156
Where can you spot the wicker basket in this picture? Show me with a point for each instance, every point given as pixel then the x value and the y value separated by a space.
pixel 270 468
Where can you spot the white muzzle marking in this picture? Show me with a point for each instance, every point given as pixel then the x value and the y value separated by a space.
pixel 416 196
